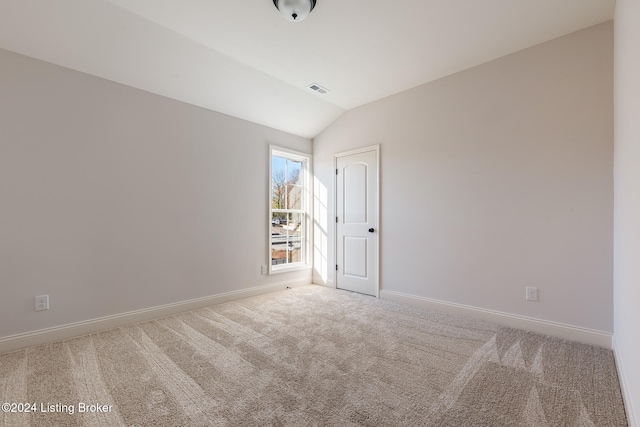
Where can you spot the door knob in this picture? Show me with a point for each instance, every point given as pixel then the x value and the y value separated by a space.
pixel 371 230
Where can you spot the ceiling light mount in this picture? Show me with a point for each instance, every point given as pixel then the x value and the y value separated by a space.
pixel 295 10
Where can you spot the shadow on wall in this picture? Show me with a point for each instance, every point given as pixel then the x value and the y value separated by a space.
pixel 320 252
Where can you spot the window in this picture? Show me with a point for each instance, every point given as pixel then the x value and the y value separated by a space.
pixel 289 210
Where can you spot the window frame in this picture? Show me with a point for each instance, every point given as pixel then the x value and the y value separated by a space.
pixel 305 210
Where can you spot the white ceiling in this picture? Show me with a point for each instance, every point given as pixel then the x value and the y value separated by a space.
pixel 240 57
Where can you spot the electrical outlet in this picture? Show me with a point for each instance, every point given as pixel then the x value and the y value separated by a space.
pixel 532 294
pixel 264 269
pixel 42 302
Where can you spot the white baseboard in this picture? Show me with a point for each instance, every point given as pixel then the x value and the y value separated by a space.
pixel 560 330
pixel 631 419
pixel 72 330
pixel 329 285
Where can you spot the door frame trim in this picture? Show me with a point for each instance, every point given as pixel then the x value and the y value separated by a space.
pixel 376 149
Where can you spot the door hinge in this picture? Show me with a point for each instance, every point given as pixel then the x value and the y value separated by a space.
pixel 336 171
pixel 336 219
pixel 336 267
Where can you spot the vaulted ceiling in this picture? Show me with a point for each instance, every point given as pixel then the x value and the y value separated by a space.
pixel 241 58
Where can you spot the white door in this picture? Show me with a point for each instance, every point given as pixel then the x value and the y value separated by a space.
pixel 357 222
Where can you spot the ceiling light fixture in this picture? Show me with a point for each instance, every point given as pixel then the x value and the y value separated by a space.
pixel 295 10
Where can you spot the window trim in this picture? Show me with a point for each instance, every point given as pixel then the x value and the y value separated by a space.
pixel 306 159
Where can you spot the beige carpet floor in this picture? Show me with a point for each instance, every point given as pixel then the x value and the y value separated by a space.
pixel 313 356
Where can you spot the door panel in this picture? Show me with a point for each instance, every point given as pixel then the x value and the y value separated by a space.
pixel 355 193
pixel 355 257
pixel 357 210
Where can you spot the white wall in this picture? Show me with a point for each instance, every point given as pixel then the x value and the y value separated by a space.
pixel 113 199
pixel 493 179
pixel 627 200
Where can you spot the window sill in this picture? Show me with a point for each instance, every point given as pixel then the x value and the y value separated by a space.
pixel 280 270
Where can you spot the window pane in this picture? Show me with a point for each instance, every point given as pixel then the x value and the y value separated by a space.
pixel 294 237
pixel 294 184
pixel 278 239
pixel 294 196
pixel 286 183
pixel 294 172
pixel 286 238
pixel 278 182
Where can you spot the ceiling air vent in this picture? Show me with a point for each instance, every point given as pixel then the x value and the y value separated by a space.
pixel 318 88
